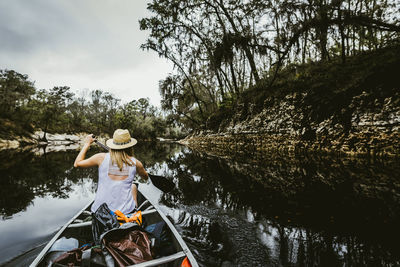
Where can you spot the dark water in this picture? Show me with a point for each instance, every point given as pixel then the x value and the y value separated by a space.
pixel 276 210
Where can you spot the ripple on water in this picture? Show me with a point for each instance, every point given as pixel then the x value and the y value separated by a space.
pixel 230 238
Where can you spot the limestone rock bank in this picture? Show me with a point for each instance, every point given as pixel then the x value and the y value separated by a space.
pixel 53 142
pixel 369 125
pixel 57 139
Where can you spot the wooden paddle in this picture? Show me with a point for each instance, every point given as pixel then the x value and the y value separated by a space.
pixel 160 182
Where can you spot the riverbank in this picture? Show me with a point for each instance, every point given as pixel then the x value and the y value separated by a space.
pixel 53 142
pixel 351 109
pixel 373 131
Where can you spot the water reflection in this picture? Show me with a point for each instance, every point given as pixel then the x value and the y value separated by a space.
pixel 275 210
pixel 25 176
pixel 310 211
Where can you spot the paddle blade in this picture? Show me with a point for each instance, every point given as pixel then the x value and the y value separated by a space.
pixel 162 183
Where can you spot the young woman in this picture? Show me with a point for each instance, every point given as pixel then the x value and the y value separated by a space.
pixel 117 171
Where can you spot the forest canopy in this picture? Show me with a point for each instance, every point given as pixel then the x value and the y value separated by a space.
pixel 221 49
pixel 24 109
pixel 222 52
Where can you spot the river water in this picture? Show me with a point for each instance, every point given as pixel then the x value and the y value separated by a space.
pixel 243 210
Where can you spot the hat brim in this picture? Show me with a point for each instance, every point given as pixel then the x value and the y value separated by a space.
pixel 111 144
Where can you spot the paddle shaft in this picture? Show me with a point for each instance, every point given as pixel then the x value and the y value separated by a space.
pixel 102 145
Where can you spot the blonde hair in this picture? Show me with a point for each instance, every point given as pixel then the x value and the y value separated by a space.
pixel 121 157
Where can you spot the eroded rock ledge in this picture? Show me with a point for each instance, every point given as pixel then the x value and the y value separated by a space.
pixel 53 142
pixel 368 126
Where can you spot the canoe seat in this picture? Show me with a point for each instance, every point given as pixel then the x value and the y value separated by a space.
pixel 84 224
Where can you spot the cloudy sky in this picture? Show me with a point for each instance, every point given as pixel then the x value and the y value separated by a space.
pixel 84 44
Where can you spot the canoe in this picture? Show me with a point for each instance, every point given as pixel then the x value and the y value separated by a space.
pixel 79 227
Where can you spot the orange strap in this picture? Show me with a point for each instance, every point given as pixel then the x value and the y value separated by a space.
pixel 136 217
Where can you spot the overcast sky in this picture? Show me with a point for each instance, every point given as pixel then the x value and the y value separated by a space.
pixel 84 44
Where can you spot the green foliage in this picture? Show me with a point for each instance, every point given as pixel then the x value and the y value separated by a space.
pixel 50 109
pixel 58 110
pixel 15 93
pixel 222 49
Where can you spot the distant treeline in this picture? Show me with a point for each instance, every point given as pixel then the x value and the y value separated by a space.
pixel 221 49
pixel 24 109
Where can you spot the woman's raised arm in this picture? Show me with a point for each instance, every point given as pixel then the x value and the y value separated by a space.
pixel 94 160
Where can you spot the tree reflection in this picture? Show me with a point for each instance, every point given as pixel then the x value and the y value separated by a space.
pixel 38 173
pixel 275 210
pixel 334 199
pixel 24 176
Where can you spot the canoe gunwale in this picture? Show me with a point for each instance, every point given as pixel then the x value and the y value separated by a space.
pixel 165 259
pixel 56 236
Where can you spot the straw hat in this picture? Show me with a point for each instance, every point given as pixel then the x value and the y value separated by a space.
pixel 121 140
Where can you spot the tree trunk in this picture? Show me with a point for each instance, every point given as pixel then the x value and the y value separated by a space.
pixel 249 54
pixel 190 84
pixel 342 36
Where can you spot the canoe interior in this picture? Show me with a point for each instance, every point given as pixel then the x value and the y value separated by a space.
pixel 80 228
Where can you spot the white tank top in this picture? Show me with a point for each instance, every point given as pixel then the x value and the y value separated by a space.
pixel 117 194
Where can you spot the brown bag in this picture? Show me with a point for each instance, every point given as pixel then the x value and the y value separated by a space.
pixel 70 258
pixel 83 256
pixel 127 246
